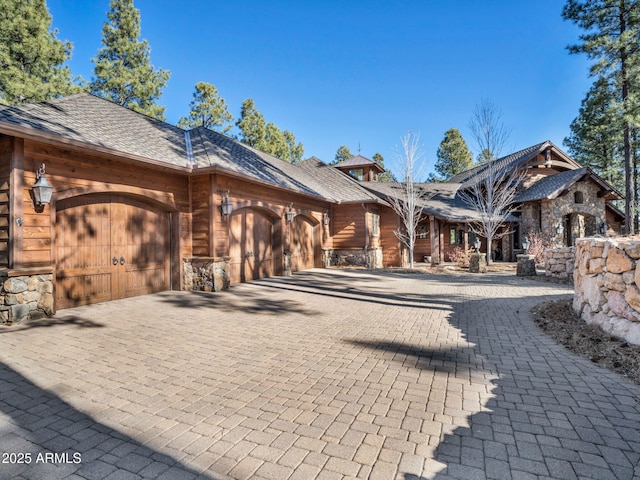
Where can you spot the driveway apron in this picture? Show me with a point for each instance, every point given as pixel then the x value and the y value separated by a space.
pixel 329 374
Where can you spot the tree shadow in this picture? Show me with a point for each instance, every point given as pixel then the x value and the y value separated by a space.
pixel 37 422
pixel 234 301
pixel 58 321
pixel 550 413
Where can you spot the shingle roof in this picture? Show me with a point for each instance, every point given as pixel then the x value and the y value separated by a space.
pixel 358 161
pixel 551 186
pixel 213 149
pixel 91 120
pixel 509 162
pixel 441 200
pixel 339 185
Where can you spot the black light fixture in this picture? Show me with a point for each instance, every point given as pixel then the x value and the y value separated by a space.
pixel 559 229
pixel 226 205
pixel 326 219
pixel 603 227
pixel 290 215
pixel 42 191
pixel 476 244
pixel 525 244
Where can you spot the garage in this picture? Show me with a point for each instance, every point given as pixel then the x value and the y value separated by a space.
pixel 109 247
pixel 250 245
pixel 303 244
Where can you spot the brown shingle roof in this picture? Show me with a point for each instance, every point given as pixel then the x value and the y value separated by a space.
pixel 90 120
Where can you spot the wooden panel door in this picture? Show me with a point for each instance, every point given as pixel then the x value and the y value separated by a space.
pixel 302 244
pixel 83 247
pixel 109 247
pixel 250 248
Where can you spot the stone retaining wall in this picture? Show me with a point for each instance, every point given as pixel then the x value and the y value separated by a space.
pixel 370 258
pixel 559 263
pixel 25 295
pixel 607 283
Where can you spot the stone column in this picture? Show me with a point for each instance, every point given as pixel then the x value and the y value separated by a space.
pixel 526 265
pixel 478 263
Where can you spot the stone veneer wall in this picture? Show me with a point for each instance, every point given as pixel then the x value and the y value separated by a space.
pixel 209 274
pixel 25 295
pixel 607 281
pixel 353 257
pixel 559 263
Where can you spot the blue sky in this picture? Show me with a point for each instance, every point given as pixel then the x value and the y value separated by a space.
pixel 359 73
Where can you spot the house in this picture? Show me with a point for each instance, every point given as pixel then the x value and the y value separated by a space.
pixel 557 197
pixel 141 206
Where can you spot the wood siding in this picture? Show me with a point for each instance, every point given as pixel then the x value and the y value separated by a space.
pixel 349 227
pixel 6 147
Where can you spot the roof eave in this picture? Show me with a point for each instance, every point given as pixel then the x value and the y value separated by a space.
pixel 77 145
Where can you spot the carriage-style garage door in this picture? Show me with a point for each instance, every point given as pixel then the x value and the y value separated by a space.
pixel 250 249
pixel 109 247
pixel 303 244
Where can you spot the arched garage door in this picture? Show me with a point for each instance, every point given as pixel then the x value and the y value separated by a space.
pixel 250 248
pixel 303 244
pixel 109 247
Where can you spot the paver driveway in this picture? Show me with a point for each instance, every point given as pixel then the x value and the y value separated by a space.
pixel 328 374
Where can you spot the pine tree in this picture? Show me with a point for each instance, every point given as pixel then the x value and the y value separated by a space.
pixel 342 154
pixel 32 59
pixel 612 29
pixel 453 155
pixel 596 134
pixel 208 109
pixel 123 70
pixel 387 175
pixel 267 137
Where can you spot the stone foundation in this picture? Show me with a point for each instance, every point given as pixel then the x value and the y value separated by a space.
pixel 25 294
pixel 370 258
pixel 607 285
pixel 208 274
pixel 559 263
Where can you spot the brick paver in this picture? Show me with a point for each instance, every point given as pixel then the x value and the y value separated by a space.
pixel 326 374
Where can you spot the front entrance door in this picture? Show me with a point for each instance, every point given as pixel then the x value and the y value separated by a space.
pixel 109 247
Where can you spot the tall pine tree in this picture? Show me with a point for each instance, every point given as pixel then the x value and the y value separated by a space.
pixel 123 70
pixel 208 109
pixel 611 40
pixel 596 134
pixel 453 155
pixel 267 137
pixel 32 59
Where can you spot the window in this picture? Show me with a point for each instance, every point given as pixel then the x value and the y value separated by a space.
pixel 375 224
pixel 578 197
pixel 456 236
pixel 357 173
pixel 422 231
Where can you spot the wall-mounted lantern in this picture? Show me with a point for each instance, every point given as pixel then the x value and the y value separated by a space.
pixel 476 244
pixel 525 244
pixel 326 219
pixel 559 229
pixel 42 191
pixel 603 228
pixel 226 205
pixel 290 215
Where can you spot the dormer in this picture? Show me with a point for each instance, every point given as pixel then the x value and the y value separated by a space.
pixel 361 168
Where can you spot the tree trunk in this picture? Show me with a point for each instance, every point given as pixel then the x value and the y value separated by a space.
pixel 629 203
pixel 489 242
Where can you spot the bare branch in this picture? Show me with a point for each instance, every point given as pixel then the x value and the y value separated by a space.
pixel 408 201
pixel 492 198
pixel 489 132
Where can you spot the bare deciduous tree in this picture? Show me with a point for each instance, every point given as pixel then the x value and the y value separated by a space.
pixel 489 132
pixel 491 196
pixel 408 202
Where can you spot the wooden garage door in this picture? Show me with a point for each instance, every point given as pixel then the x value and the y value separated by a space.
pixel 250 249
pixel 109 247
pixel 302 244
